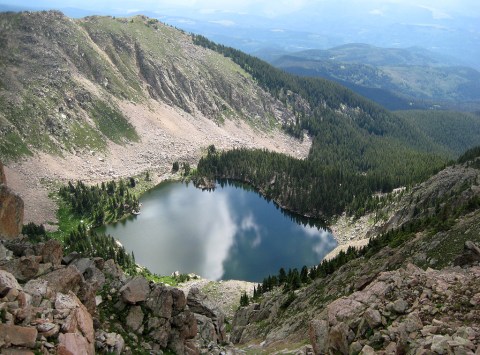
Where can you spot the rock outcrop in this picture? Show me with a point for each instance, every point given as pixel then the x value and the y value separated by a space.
pixel 11 210
pixel 210 320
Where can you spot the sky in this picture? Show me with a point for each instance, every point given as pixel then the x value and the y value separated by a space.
pixel 439 9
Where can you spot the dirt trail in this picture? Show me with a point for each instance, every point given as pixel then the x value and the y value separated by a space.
pixel 167 135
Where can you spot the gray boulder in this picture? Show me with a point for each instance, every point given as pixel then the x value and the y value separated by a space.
pixel 135 290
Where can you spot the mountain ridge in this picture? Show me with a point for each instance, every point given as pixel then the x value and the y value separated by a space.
pixel 57 109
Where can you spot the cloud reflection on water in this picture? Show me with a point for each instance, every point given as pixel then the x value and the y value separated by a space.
pixel 248 224
pixel 213 222
pixel 325 242
pixel 228 233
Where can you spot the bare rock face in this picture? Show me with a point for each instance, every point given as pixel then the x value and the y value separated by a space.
pixel 134 318
pixel 111 343
pixel 52 252
pixel 11 210
pixel 11 213
pixel 399 312
pixel 73 343
pixel 318 333
pixel 78 321
pixel 65 280
pixel 17 335
pixel 24 268
pixel 210 319
pixel 170 323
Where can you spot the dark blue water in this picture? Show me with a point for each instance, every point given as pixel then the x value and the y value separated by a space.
pixel 229 233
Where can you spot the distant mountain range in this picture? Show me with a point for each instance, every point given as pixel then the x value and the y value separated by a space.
pixel 395 78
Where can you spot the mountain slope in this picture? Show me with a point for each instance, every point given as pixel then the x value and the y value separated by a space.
pixel 73 75
pixel 328 108
pixel 355 53
pixel 72 108
pixel 141 95
pixel 457 131
pixel 62 81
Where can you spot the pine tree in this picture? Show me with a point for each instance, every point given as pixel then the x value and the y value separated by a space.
pixel 244 300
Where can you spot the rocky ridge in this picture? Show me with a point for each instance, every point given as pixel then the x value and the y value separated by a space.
pixel 404 311
pixel 102 98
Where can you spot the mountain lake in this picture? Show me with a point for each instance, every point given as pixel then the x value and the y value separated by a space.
pixel 231 232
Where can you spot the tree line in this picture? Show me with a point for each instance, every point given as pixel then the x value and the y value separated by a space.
pixel 305 186
pixel 100 203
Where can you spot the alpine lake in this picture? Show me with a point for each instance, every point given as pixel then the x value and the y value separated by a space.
pixel 231 232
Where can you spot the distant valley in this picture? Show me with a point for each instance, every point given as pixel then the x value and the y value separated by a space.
pixel 397 79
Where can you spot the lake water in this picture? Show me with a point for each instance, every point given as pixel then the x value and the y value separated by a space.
pixel 229 233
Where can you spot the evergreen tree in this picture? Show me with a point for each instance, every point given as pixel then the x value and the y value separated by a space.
pixel 244 300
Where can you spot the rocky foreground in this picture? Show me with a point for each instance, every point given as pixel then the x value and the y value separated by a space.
pixel 410 309
pixel 405 311
pixel 50 303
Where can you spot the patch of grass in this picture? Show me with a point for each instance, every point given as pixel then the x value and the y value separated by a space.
pixel 84 136
pixel 112 123
pixel 143 183
pixel 12 147
pixel 31 121
pixel 450 244
pixel 67 221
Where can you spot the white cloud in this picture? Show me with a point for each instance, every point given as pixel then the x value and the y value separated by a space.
pixel 376 12
pixel 436 13
pixel 220 231
pixel 226 23
pixel 185 21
